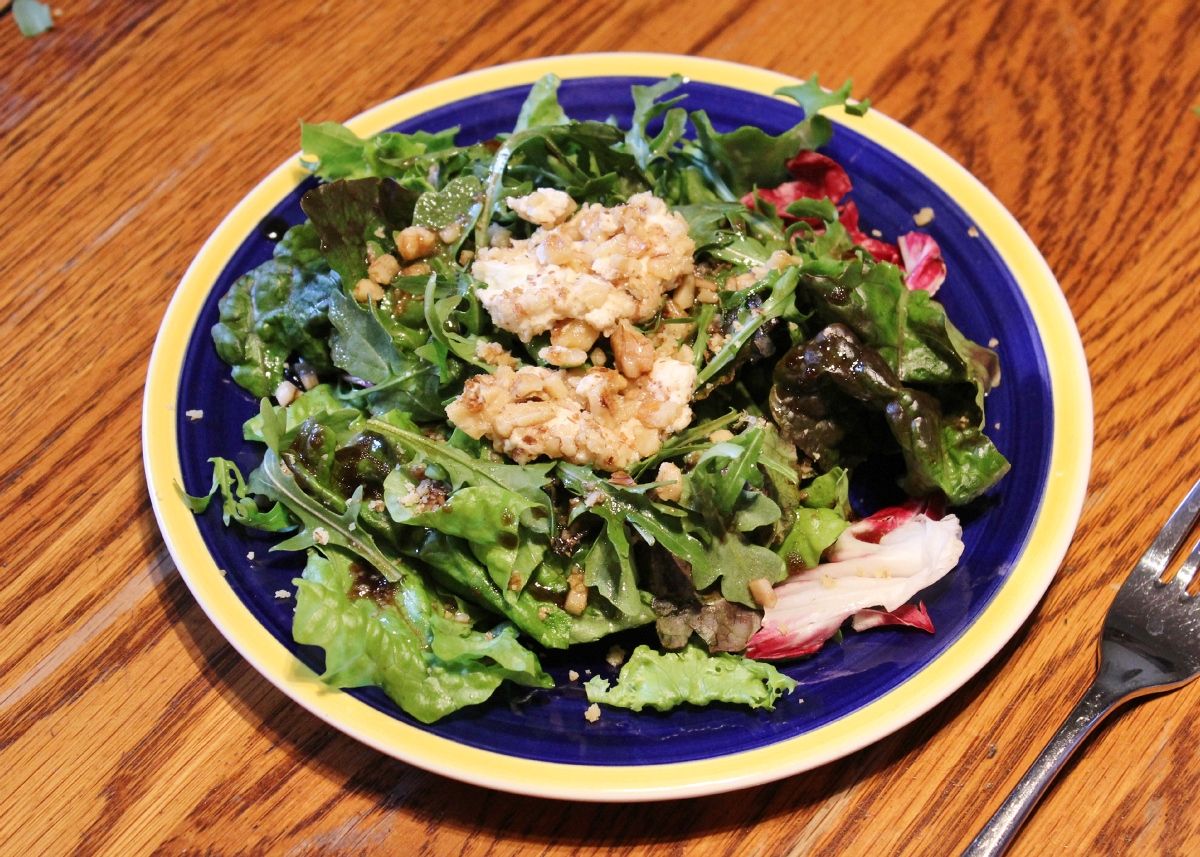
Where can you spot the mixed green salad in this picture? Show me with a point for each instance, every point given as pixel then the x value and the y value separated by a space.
pixel 480 468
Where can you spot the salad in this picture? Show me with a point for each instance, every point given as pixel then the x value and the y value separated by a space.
pixel 584 380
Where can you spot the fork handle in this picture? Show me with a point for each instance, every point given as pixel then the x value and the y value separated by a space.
pixel 997 835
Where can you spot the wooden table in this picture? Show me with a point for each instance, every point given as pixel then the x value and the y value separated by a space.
pixel 128 724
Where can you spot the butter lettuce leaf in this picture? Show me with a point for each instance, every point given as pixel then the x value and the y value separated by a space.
pixel 429 665
pixel 664 680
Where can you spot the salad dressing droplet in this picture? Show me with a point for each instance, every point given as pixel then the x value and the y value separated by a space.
pixel 272 227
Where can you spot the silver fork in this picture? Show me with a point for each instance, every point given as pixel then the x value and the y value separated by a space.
pixel 1150 644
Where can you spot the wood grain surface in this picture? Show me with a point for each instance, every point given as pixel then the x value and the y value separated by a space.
pixel 128 725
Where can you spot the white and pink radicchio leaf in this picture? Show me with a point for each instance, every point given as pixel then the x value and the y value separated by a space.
pixel 872 571
pixel 924 267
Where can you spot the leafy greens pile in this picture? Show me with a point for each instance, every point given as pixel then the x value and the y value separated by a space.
pixel 800 376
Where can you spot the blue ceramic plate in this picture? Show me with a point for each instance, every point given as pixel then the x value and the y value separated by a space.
pixel 850 694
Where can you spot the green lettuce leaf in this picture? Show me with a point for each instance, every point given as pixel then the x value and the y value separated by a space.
pixel 428 664
pixel 664 680
pixel 537 608
pixel 828 389
pixel 822 516
pixel 321 401
pixel 350 214
pixel 779 288
pixel 488 517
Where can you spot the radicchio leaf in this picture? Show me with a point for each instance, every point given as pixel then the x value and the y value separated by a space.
pixel 923 262
pixel 907 616
pixel 813 603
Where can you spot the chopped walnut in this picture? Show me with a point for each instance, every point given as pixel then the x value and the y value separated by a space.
pixel 368 290
pixel 428 495
pixel 573 333
pixel 672 478
pixel 577 594
pixel 384 269
pixel 763 592
pixel 633 353
pixel 415 242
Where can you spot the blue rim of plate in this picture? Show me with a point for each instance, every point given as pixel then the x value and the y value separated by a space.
pixel 851 694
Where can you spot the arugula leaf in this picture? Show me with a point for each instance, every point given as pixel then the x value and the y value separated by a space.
pixel 237 500
pixel 646 108
pixel 708 223
pixel 608 565
pixel 716 481
pixel 721 489
pixel 319 524
pixel 342 154
pixel 430 665
pixel 748 157
pixel 664 680
pixel 737 563
pixel 276 310
pixel 656 523
pixel 362 347
pixel 462 468
pixel 444 319
pixel 692 439
pixel 813 97
pixel 780 286
pixel 566 156
pixel 541 107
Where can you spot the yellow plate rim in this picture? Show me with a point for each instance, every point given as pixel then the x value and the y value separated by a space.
pixel 1047 544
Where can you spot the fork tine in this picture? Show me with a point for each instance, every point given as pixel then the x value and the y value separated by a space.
pixel 1166 543
pixel 1188 570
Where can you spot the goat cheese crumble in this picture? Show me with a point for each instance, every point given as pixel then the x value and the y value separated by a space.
pixel 601 266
